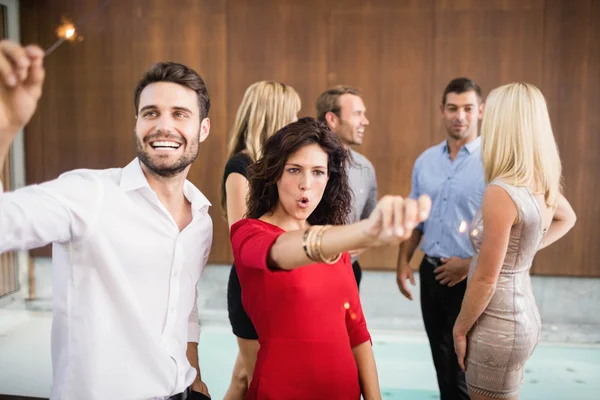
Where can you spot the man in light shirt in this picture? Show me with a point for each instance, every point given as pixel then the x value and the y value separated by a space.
pixel 451 173
pixel 129 244
pixel 343 110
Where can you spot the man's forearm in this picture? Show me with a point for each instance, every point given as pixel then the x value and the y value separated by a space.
pixel 192 356
pixel 408 248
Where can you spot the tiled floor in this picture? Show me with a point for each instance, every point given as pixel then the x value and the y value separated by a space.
pixel 557 370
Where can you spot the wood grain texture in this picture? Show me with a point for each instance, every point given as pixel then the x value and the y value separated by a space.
pixel 399 53
pixel 8 267
pixel 571 84
pixel 385 49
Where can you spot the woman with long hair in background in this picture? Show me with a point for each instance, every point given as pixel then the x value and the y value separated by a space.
pixel 265 108
pixel 522 212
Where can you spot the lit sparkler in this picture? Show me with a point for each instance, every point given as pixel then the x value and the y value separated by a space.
pixel 67 31
pixel 64 32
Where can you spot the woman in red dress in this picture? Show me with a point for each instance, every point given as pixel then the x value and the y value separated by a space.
pixel 297 283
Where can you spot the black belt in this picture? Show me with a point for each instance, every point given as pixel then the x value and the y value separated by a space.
pixel 188 394
pixel 437 261
pixel 181 396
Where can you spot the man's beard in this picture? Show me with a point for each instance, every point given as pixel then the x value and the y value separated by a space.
pixel 174 169
pixel 459 135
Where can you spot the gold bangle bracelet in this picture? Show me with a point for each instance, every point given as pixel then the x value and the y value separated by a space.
pixel 322 258
pixel 314 250
pixel 309 243
pixel 306 243
pixel 312 244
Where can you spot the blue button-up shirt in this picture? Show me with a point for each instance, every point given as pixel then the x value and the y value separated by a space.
pixel 456 190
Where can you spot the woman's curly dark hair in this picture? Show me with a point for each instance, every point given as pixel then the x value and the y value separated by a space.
pixel 334 207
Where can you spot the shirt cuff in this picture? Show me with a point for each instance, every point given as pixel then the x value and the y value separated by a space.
pixel 360 337
pixel 359 334
pixel 193 332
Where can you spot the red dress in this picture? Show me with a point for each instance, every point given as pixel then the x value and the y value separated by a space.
pixel 307 321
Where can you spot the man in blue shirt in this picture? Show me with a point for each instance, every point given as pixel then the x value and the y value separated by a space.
pixel 451 173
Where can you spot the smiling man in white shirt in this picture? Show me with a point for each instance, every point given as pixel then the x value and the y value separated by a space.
pixel 129 244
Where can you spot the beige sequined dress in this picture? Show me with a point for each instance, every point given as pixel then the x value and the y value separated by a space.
pixel 507 332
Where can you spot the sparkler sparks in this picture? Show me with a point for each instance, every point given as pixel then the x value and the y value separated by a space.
pixel 67 31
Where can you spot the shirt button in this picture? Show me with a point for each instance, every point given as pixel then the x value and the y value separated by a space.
pixel 444 199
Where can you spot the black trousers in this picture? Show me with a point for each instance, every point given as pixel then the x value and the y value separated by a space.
pixel 189 394
pixel 357 272
pixel 440 306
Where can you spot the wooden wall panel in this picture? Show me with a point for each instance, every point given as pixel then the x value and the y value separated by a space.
pixel 571 84
pixel 399 53
pixel 276 40
pixel 34 141
pixel 493 42
pixel 8 267
pixel 86 116
pixel 384 48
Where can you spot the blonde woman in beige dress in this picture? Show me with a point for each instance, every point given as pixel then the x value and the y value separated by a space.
pixel 522 212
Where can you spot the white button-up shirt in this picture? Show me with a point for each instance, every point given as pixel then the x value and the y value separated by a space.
pixel 124 280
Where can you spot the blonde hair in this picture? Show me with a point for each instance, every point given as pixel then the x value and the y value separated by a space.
pixel 517 142
pixel 267 106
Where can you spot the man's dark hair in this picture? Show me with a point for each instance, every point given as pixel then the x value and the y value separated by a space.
pixel 329 100
pixel 175 73
pixel 461 85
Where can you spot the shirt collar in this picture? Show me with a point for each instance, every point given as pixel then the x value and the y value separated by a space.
pixel 195 196
pixel 470 147
pixel 133 178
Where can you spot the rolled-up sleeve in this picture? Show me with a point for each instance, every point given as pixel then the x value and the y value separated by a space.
pixel 194 319
pixel 355 319
pixel 251 244
pixel 62 210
